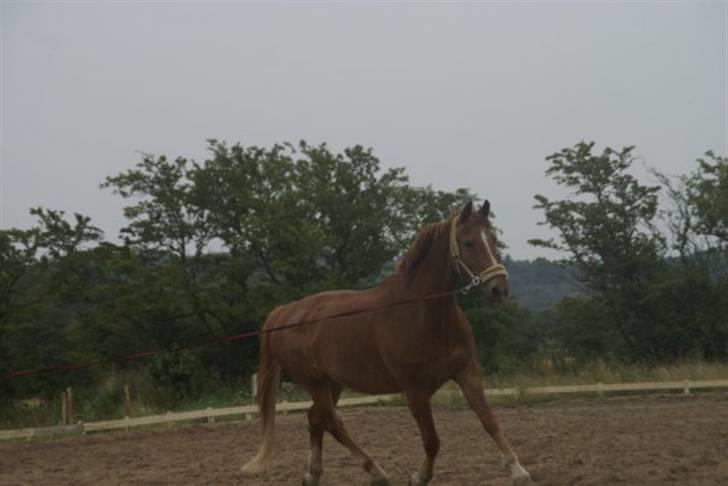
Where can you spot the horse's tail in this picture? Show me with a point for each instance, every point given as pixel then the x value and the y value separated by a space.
pixel 269 376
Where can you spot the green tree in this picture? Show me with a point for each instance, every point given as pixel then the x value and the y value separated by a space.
pixel 18 253
pixel 354 205
pixel 307 218
pixel 176 287
pixel 169 231
pixel 607 229
pixel 45 283
pixel 697 215
pixel 693 291
pixel 708 197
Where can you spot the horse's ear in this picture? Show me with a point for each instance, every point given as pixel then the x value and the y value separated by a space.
pixel 485 209
pixel 465 213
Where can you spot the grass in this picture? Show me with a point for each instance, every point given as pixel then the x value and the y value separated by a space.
pixel 106 401
pixel 588 375
pixel 601 372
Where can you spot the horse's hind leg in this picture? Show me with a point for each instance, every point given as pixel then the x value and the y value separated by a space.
pixel 316 427
pixel 322 416
pixel 316 432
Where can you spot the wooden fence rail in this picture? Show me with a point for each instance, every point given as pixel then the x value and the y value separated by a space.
pixel 248 411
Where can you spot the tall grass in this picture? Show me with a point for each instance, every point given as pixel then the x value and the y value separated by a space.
pixel 106 400
pixel 603 372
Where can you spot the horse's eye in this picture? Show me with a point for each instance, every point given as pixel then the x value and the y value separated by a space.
pixel 468 243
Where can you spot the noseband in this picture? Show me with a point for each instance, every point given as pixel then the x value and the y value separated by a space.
pixel 486 275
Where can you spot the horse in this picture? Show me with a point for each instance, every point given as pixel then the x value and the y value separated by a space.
pixel 406 335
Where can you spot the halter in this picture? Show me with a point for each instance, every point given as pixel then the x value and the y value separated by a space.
pixel 475 279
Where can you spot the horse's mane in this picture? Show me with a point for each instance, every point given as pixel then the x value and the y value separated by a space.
pixel 419 248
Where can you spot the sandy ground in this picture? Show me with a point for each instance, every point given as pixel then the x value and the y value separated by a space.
pixel 666 439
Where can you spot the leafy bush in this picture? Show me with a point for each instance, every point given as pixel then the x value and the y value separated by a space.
pixel 181 371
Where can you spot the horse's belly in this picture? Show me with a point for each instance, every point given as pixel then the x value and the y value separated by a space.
pixel 356 365
pixel 372 380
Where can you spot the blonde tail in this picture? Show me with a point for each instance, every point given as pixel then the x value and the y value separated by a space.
pixel 269 375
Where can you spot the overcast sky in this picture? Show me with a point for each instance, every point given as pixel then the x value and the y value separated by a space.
pixel 468 94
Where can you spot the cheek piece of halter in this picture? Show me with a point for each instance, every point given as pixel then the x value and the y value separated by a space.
pixel 475 279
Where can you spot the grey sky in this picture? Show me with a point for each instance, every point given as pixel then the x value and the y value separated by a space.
pixel 466 94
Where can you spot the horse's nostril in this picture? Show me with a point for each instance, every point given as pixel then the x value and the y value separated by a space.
pixel 496 292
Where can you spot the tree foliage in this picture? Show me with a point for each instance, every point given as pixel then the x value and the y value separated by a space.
pixel 607 224
pixel 707 194
pixel 210 247
pixel 641 304
pixel 208 250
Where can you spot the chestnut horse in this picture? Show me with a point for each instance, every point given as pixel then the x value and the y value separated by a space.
pixel 413 348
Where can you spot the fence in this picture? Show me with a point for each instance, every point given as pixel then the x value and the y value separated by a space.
pixel 248 411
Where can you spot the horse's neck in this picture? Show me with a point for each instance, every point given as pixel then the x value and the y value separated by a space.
pixel 435 273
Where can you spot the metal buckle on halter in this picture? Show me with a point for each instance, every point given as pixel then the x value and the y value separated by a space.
pixel 473 283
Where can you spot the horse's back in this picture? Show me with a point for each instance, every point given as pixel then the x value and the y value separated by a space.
pixel 317 307
pixel 337 339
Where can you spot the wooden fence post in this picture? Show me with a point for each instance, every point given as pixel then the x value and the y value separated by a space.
pixel 71 419
pixel 253 393
pixel 64 408
pixel 686 387
pixel 127 400
pixel 71 415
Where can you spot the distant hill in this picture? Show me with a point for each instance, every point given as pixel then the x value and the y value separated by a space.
pixel 539 284
pixel 535 284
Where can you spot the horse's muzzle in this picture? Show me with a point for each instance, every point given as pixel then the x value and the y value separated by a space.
pixel 497 289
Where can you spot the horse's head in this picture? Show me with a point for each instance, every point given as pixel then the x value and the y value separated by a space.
pixel 473 246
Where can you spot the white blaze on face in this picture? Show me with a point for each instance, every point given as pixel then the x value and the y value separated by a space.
pixel 484 236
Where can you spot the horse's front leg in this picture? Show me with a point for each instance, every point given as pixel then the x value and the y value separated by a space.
pixel 471 383
pixel 419 405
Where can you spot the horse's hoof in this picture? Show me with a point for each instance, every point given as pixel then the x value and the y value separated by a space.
pixel 380 482
pixel 524 480
pixel 309 480
pixel 415 480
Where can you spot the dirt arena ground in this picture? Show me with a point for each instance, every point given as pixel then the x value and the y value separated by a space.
pixel 664 439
